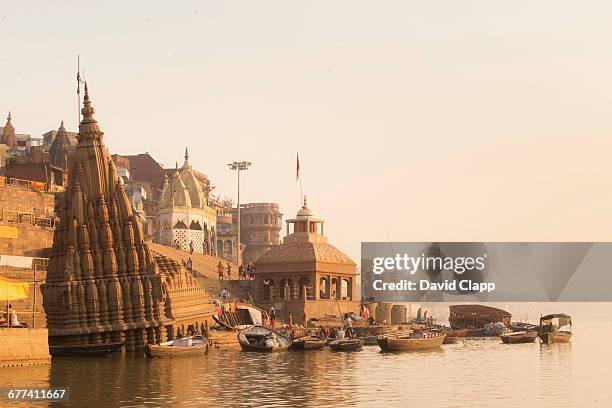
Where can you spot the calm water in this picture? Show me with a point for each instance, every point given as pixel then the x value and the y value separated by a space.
pixel 483 373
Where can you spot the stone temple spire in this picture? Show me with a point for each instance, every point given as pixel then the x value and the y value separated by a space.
pixel 103 283
pixel 61 148
pixel 8 134
pixel 89 129
pixel 186 165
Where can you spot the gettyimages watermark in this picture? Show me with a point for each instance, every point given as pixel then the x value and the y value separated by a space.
pixel 486 271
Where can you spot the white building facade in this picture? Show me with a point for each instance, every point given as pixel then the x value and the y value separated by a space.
pixel 185 218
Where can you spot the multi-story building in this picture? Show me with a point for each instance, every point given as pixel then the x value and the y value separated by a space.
pixel 260 227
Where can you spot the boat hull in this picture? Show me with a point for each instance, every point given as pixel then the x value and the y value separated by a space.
pixel 519 337
pixel 307 344
pixel 408 344
pixel 86 350
pixel 158 351
pixel 553 338
pixel 346 345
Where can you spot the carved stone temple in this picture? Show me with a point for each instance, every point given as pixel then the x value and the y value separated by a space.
pixel 104 285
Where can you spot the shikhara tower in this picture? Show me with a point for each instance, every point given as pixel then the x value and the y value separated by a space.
pixel 104 285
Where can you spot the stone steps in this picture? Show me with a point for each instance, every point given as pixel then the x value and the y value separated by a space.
pixel 202 265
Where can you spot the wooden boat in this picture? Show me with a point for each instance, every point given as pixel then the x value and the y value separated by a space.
pixel 451 340
pixel 185 347
pixel 241 316
pixel 521 326
pixel 415 342
pixel 453 336
pixel 369 340
pixel 457 333
pixel 353 344
pixel 382 339
pixel 559 337
pixel 476 317
pixel 555 328
pixel 519 337
pixel 88 350
pixel 262 339
pixel 307 343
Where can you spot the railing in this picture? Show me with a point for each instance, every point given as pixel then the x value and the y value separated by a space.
pixel 38 264
pixel 25 217
pixel 24 184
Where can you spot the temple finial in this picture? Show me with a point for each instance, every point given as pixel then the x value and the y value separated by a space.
pixel 62 126
pixel 305 205
pixel 186 154
pixel 87 110
pixel 9 118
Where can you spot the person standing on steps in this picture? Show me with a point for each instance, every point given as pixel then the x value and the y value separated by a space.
pixel 220 270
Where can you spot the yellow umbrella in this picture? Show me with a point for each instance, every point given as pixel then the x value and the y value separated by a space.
pixel 12 289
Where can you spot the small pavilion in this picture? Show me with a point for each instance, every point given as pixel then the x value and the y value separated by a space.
pixel 305 272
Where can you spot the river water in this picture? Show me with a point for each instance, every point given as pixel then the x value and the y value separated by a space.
pixel 472 373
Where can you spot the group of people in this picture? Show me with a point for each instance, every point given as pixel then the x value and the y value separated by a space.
pixel 268 318
pixel 245 271
pixel 421 317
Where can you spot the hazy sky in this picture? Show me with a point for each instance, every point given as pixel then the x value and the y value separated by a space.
pixel 447 120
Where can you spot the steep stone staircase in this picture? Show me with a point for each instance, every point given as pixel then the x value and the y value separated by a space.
pixel 205 270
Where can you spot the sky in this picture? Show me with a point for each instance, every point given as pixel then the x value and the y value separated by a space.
pixel 414 121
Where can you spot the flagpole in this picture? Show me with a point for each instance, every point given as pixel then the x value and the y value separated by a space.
pixel 78 90
pixel 298 175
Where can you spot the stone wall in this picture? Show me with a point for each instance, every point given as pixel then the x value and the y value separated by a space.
pixel 25 239
pixel 27 220
pixel 40 203
pixel 24 347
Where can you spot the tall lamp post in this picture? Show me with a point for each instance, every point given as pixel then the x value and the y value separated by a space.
pixel 243 165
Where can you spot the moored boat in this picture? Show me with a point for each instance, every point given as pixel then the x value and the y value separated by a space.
pixel 238 316
pixel 555 328
pixel 85 350
pixel 414 342
pixel 451 340
pixel 307 343
pixel 382 339
pixel 262 339
pixel 185 347
pixel 528 336
pixel 453 336
pixel 476 318
pixel 352 344
pixel 369 340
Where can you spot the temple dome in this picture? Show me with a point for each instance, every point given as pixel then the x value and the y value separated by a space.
pixel 175 192
pixel 318 252
pixel 186 188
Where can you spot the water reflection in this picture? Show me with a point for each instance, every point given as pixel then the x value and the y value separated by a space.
pixel 469 373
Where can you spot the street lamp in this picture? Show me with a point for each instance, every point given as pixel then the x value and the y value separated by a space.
pixel 243 165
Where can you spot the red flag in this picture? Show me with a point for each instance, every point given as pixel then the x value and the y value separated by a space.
pixel 297 168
